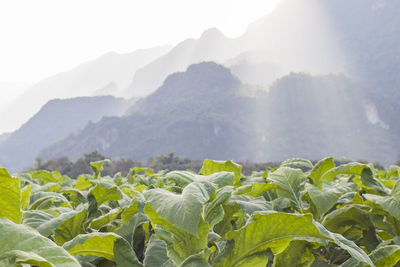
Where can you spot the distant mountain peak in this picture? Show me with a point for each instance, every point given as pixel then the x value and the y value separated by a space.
pixel 203 74
pixel 203 80
pixel 212 33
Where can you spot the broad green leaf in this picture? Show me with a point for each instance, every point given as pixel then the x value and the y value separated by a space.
pixel 320 169
pixel 323 200
pixel 49 187
pixel 183 210
pixel 97 167
pixel 353 168
pixel 25 197
pixel 339 220
pixel 67 182
pixel 70 228
pixel 225 225
pixel 156 254
pixel 45 200
pixel 83 182
pixel 386 256
pixel 197 260
pixel 219 178
pixel 124 254
pixel 297 163
pixel 180 243
pixel 99 222
pixel 18 257
pixel 138 170
pixel 213 166
pixel 103 245
pixel 250 205
pixel 255 189
pixel 390 204
pixel 10 197
pixel 104 192
pixel 129 211
pixel 213 211
pixel 298 254
pixel 45 177
pixel 47 228
pixel 259 189
pixel 348 221
pixel 75 196
pixel 368 179
pixel 36 218
pixel 18 237
pixel 396 191
pixel 183 178
pixel 289 182
pixel 275 231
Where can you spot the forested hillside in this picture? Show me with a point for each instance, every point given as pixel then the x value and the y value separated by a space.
pixel 54 122
pixel 207 112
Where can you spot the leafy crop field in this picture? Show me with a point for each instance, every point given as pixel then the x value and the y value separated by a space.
pixel 294 215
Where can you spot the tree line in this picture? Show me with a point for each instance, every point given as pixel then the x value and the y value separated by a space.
pixel 170 162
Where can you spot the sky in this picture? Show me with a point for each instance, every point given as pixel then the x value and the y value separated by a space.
pixel 43 37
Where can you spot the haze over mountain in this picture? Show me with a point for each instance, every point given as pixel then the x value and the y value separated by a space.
pixel 308 80
pixel 55 121
pixel 318 37
pixel 194 113
pixel 207 112
pixel 12 90
pixel 106 75
pixel 212 45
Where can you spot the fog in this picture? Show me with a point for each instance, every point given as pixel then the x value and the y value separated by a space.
pixel 315 81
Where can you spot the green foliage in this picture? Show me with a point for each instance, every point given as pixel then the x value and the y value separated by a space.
pixel 19 244
pixel 298 214
pixel 10 197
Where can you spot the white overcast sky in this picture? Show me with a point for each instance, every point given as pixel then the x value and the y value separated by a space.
pixel 39 38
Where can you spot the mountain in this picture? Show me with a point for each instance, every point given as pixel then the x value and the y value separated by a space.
pixel 105 75
pixel 55 121
pixel 319 37
pixel 4 136
pixel 330 86
pixel 358 37
pixel 11 90
pixel 207 112
pixel 370 40
pixel 213 45
pixel 319 116
pixel 197 113
pixel 251 68
pixel 298 37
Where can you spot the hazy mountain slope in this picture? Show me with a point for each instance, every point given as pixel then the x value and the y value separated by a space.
pixel 111 70
pixel 370 39
pixel 251 68
pixel 4 136
pixel 317 37
pixel 357 37
pixel 324 116
pixel 204 112
pixel 55 121
pixel 12 90
pixel 211 46
pixel 197 114
pixel 297 36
